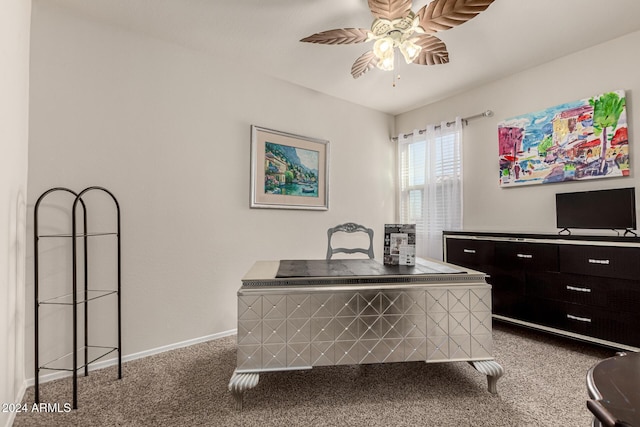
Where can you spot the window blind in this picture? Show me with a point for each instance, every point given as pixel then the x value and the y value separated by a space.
pixel 430 193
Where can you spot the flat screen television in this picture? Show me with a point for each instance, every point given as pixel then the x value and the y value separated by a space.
pixel 613 209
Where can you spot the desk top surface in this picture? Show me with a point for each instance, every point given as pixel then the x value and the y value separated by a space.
pixel 358 267
pixel 353 272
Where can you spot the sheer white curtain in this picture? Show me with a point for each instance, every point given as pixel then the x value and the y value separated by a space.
pixel 430 181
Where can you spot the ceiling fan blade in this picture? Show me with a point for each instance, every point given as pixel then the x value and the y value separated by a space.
pixel 440 15
pixel 363 64
pixel 390 9
pixel 339 36
pixel 433 52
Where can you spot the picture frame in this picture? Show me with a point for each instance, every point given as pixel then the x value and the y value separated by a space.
pixel 288 171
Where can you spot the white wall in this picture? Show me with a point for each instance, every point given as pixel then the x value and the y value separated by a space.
pixel 168 131
pixel 607 67
pixel 14 114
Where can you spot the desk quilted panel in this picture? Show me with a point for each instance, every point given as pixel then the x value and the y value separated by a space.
pixel 356 327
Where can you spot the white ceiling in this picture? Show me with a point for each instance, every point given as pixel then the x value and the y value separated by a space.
pixel 510 36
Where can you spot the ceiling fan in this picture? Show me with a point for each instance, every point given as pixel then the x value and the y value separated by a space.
pixel 397 26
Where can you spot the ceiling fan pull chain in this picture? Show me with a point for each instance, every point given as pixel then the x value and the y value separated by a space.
pixel 396 76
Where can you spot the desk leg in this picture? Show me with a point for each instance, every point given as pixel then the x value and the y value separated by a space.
pixel 492 370
pixel 240 382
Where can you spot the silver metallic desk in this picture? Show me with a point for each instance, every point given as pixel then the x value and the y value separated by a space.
pixel 301 314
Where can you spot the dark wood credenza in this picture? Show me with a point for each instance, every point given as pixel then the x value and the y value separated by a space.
pixel 584 287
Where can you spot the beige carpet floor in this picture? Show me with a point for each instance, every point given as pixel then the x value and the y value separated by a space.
pixel 544 385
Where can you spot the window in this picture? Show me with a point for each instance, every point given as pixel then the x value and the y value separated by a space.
pixel 430 193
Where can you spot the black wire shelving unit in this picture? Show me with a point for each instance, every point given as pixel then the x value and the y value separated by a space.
pixel 80 293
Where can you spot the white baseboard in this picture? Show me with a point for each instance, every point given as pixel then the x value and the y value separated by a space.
pixel 114 361
pixel 19 397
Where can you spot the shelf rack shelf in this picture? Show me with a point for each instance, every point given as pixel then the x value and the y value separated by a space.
pixel 79 295
pixel 94 234
pixel 94 352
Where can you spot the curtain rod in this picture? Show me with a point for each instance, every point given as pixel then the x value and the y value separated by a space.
pixel 487 113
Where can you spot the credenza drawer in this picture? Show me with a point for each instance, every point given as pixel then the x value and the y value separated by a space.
pixel 604 292
pixel 603 261
pixel 590 321
pixel 527 256
pixel 474 254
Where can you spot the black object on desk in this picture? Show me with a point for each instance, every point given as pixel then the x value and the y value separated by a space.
pixel 614 389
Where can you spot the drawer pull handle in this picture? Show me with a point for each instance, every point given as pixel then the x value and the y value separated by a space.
pixel 579 319
pixel 573 288
pixel 599 261
pixel 469 251
pixel 525 256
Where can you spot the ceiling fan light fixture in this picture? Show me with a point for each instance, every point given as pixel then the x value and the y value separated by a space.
pixel 383 50
pixel 409 50
pixel 386 63
pixel 383 47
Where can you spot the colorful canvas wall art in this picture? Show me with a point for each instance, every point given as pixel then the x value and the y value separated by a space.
pixel 579 140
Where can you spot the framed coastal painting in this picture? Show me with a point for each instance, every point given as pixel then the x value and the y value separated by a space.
pixel 288 171
pixel 580 140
